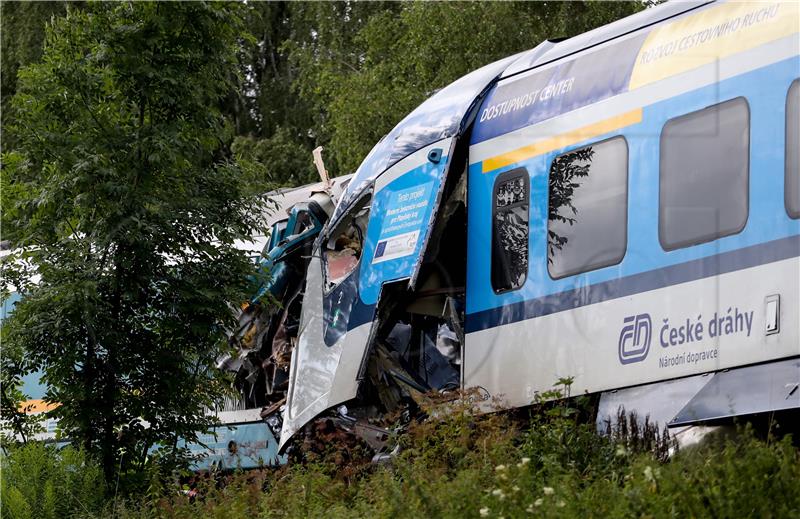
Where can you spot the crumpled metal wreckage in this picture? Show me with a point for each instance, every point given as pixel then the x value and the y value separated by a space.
pixel 418 351
pixel 268 322
pixel 365 299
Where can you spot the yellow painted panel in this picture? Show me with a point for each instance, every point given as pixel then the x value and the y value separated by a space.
pixel 565 139
pixel 36 406
pixel 710 35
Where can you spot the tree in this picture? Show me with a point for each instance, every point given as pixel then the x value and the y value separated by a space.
pixel 122 195
pixel 342 74
pixel 326 49
pixel 280 160
pixel 277 127
pixel 22 35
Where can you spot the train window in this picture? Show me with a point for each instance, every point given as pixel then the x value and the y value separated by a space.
pixel 587 218
pixel 704 170
pixel 792 187
pixel 510 230
pixel 342 251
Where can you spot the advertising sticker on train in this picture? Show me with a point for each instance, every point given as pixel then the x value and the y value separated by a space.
pixel 403 220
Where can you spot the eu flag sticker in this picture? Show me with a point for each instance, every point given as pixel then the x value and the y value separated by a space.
pixel 396 247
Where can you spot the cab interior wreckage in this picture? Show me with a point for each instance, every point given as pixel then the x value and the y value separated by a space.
pixel 410 339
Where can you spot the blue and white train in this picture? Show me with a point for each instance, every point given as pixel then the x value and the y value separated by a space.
pixel 621 208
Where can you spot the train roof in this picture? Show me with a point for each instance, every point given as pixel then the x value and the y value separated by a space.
pixel 440 116
pixel 537 56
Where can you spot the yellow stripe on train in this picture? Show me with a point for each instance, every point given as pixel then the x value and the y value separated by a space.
pixel 562 140
pixel 35 406
pixel 710 35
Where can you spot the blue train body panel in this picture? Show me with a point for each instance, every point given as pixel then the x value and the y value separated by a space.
pixel 237 446
pixel 770 234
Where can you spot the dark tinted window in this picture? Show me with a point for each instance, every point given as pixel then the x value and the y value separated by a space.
pixel 703 188
pixel 588 208
pixel 510 230
pixel 792 188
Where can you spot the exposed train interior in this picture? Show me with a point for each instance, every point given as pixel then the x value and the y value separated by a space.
pixel 417 337
pixel 416 344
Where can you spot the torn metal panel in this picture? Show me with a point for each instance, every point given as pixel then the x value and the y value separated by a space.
pixel 241 442
pixel 268 324
pixel 659 402
pixel 315 365
pixel 770 387
pixel 406 174
pixel 358 256
pixel 295 237
pixel 262 340
pixel 403 212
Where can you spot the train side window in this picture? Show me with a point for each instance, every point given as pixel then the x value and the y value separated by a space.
pixel 704 174
pixel 587 217
pixel 510 230
pixel 792 178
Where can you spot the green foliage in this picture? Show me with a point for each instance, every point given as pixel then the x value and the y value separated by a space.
pixel 464 465
pixel 122 195
pixel 19 425
pixel 42 482
pixel 327 48
pixel 342 74
pixel 22 27
pixel 278 161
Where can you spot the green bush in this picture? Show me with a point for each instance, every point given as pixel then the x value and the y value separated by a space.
pixel 464 465
pixel 42 482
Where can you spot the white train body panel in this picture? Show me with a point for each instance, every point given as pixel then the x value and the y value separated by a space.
pixel 515 361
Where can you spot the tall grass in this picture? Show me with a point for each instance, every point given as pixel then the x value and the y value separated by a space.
pixel 39 482
pixel 494 466
pixel 464 465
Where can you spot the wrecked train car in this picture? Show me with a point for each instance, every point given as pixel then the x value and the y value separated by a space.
pixel 619 208
pixel 267 329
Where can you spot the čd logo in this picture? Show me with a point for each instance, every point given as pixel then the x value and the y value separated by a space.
pixel 634 339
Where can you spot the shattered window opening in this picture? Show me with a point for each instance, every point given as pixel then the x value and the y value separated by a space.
pixel 275 235
pixel 510 230
pixel 304 223
pixel 343 249
pixel 588 208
